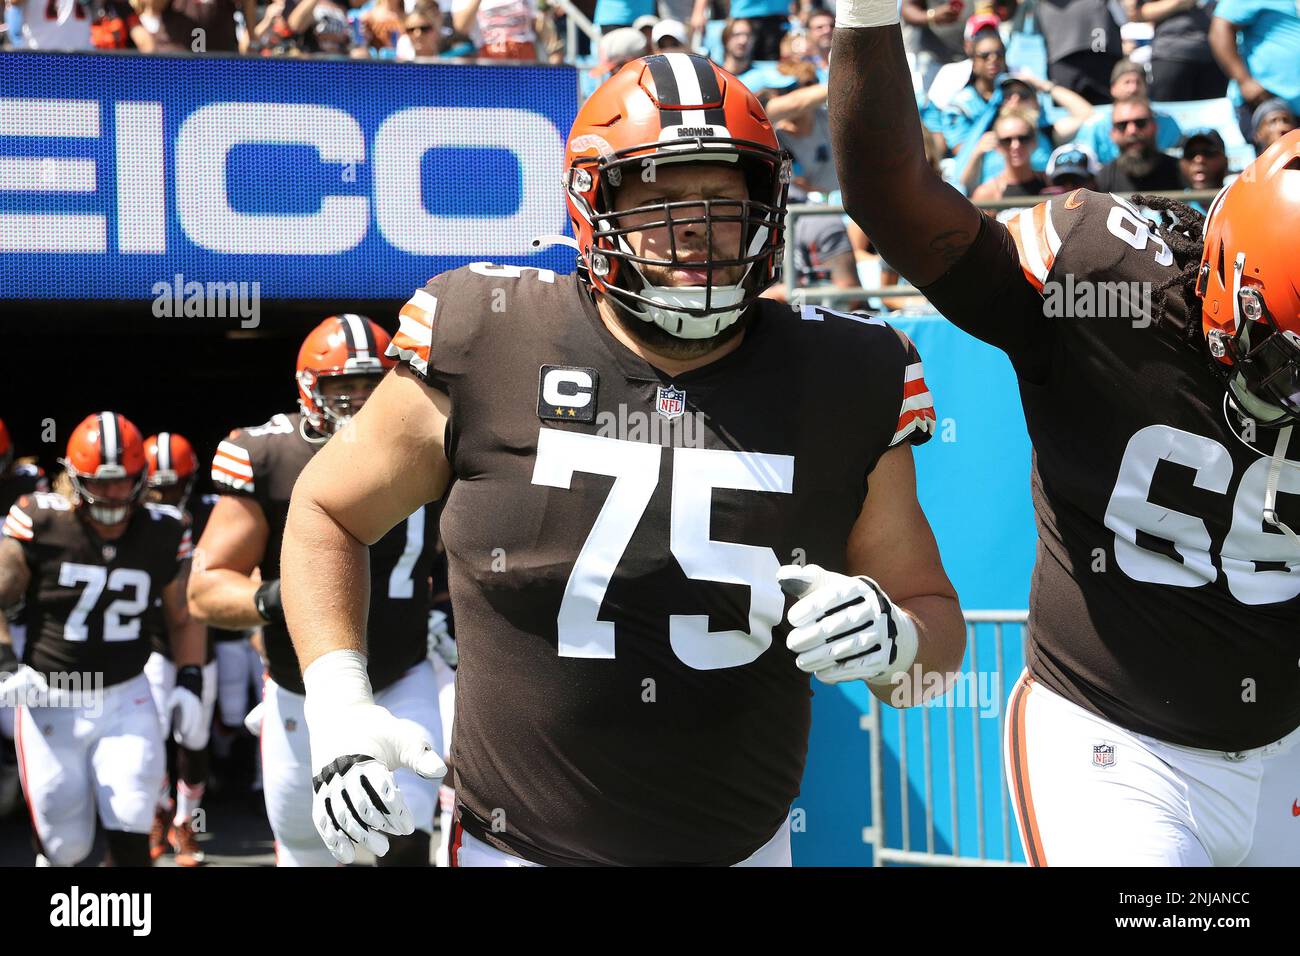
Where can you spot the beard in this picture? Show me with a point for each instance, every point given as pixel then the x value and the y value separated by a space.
pixel 1138 161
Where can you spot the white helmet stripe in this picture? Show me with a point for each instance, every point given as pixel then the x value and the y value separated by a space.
pixel 164 451
pixel 688 87
pixel 358 333
pixel 109 441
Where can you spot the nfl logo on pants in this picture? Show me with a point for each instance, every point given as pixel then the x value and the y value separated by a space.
pixel 1103 755
pixel 670 402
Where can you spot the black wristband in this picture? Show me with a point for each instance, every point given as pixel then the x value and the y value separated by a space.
pixel 191 678
pixel 267 600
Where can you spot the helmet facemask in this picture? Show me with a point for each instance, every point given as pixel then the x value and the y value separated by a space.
pixel 730 284
pixel 331 412
pixel 1265 375
pixel 102 508
pixel 168 488
pixel 1264 378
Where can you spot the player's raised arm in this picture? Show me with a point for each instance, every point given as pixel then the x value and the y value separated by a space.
pixel 920 225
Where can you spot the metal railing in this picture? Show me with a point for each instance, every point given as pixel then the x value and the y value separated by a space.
pixel 575 20
pixel 880 720
pixel 827 295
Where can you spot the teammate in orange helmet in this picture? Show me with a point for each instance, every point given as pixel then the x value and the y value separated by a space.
pixel 172 469
pixel 1158 722
pixel 254 470
pixel 92 566
pixel 614 436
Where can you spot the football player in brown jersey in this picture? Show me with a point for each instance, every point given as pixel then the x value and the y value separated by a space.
pixel 1158 722
pixel 173 467
pixel 91 567
pixel 339 364
pixel 636 459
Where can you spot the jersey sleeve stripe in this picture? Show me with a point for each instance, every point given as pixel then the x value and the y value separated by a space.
pixel 425 301
pixel 919 401
pixel 1049 230
pixel 231 466
pixel 1032 246
pixel 17 514
pixel 414 336
pixel 231 450
pixel 185 549
pixel 13 529
pixel 921 419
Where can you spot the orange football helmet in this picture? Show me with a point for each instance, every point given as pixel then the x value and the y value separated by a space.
pixel 342 345
pixel 172 465
pixel 672 108
pixel 1249 279
pixel 106 449
pixel 6 449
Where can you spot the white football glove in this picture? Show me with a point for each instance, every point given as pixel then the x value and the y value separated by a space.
pixel 355 746
pixel 441 643
pixel 185 707
pixel 845 628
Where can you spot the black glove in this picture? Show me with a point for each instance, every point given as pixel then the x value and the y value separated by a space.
pixel 268 603
pixel 191 678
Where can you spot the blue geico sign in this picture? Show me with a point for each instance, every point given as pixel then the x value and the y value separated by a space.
pixel 316 179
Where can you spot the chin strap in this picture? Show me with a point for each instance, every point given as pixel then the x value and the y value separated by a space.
pixel 1270 489
pixel 302 430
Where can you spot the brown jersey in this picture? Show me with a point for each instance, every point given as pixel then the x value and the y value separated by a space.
pixel 88 598
pixel 263 463
pixel 1161 598
pixel 613 535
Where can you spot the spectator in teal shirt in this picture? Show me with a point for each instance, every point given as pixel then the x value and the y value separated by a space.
pixel 770 19
pixel 1257 43
pixel 612 14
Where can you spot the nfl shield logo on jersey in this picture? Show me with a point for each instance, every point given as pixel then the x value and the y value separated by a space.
pixel 670 402
pixel 1103 755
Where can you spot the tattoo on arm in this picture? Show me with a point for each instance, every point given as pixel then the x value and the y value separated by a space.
pixel 951 245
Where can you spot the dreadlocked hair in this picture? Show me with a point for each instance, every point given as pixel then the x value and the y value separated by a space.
pixel 1181 229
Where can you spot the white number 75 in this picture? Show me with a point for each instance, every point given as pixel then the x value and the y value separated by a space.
pixel 634 466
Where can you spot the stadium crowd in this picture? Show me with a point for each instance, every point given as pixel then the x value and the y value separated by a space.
pixel 1020 99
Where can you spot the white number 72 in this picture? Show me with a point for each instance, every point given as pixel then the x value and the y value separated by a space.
pixel 634 466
